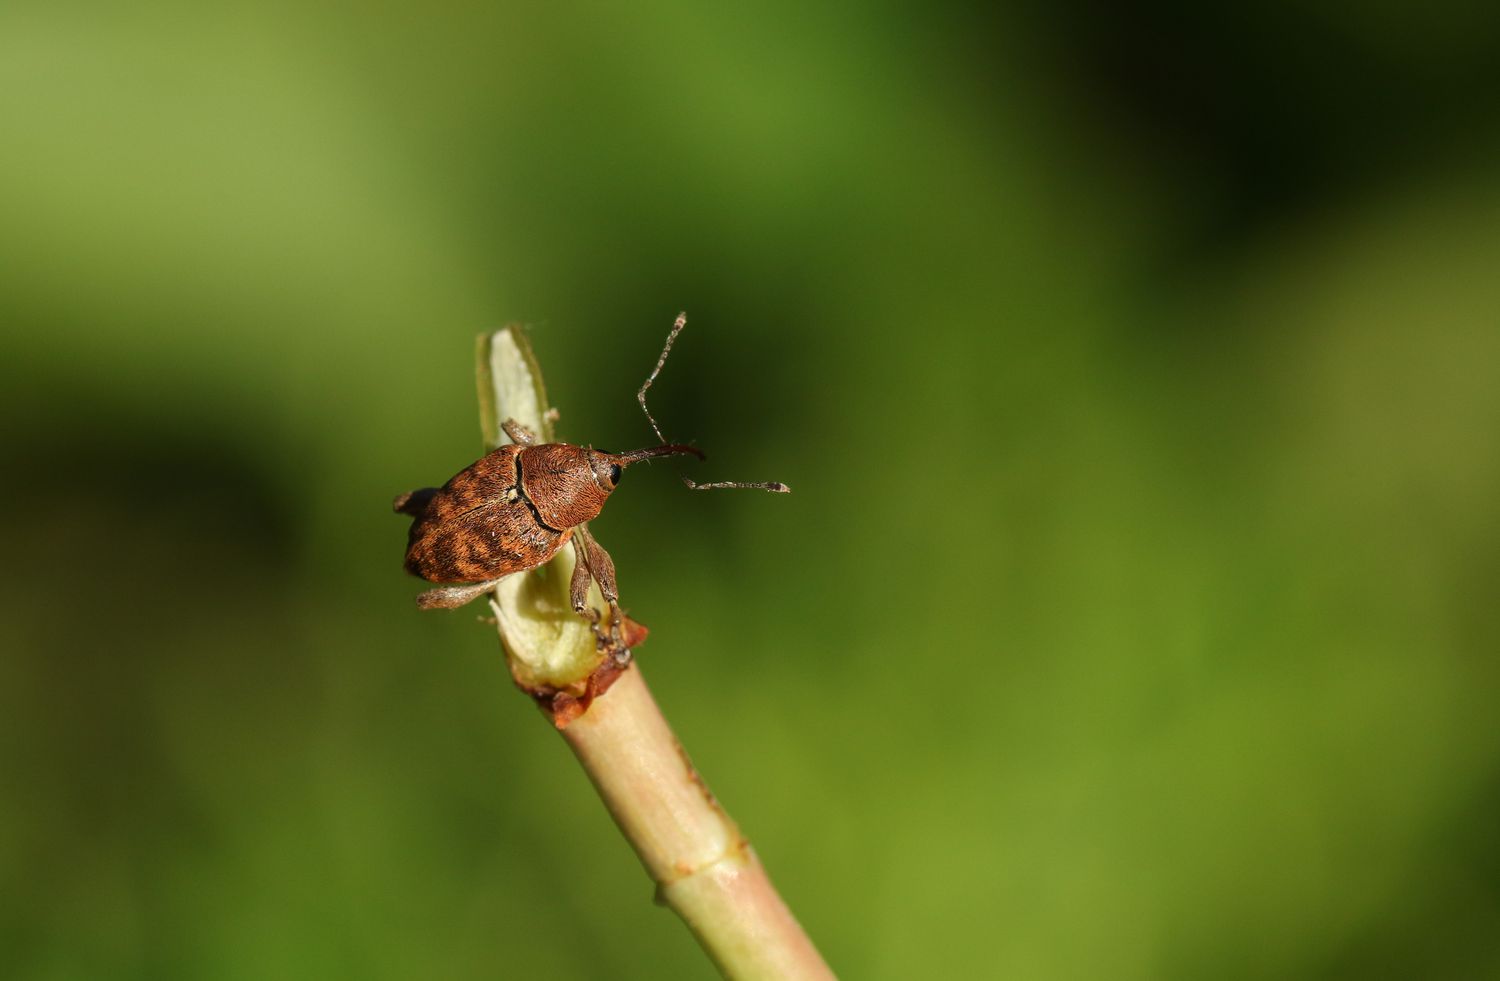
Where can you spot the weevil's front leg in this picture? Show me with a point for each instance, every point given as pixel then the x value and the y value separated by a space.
pixel 452 597
pixel 578 590
pixel 603 568
pixel 518 433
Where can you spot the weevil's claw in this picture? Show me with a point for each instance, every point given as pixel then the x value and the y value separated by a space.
pixel 610 639
pixel 601 641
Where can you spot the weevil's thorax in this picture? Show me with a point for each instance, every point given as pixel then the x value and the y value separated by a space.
pixel 565 483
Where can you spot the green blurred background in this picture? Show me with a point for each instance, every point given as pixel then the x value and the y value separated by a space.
pixel 1136 373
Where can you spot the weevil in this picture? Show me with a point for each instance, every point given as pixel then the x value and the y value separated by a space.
pixel 515 507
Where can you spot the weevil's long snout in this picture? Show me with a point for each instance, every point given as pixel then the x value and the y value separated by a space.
pixel 666 449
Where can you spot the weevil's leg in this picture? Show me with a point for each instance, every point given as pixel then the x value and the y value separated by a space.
pixel 551 415
pixel 518 433
pixel 603 568
pixel 452 597
pixel 578 591
pixel 413 502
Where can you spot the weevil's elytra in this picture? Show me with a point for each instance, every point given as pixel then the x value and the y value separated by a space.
pixel 512 509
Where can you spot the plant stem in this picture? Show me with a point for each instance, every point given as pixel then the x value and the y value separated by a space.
pixel 703 867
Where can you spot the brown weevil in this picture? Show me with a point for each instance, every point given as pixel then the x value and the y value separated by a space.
pixel 515 507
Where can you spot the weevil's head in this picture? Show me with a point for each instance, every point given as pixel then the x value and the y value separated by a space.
pixel 610 467
pixel 568 484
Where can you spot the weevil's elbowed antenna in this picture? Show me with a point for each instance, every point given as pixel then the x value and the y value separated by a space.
pixel 667 449
pixel 640 396
pixel 774 486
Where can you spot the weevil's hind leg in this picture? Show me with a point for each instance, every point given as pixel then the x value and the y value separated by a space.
pixel 452 597
pixel 518 433
pixel 413 502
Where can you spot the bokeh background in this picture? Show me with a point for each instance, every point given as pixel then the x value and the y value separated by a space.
pixel 1134 615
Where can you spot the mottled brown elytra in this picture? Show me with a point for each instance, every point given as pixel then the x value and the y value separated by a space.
pixel 512 509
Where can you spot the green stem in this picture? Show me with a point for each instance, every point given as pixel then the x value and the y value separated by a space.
pixel 704 869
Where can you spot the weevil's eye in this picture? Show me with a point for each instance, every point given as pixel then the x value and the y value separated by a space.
pixel 615 473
